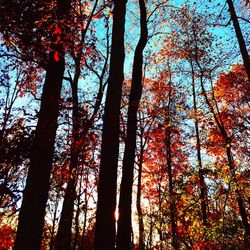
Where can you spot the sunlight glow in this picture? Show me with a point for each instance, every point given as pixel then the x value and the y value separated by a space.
pixel 116 214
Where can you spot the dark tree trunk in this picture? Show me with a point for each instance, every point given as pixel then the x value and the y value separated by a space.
pixel 150 236
pixel 32 212
pixel 85 213
pixel 203 188
pixel 240 201
pixel 52 239
pixel 169 171
pixel 124 222
pixel 105 219
pixel 31 218
pixel 241 41
pixel 65 225
pixel 138 197
pixel 63 239
pixel 78 212
pixel 171 191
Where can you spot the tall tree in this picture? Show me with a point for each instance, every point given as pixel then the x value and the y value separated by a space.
pixel 105 219
pixel 63 240
pixel 142 144
pixel 226 137
pixel 125 202
pixel 31 217
pixel 168 142
pixel 203 187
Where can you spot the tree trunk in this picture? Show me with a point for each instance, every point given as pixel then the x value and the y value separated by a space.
pixel 85 213
pixel 203 188
pixel 138 198
pixel 124 222
pixel 63 239
pixel 169 171
pixel 240 201
pixel 31 218
pixel 241 41
pixel 78 212
pixel 32 212
pixel 52 239
pixel 150 236
pixel 105 219
pixel 171 191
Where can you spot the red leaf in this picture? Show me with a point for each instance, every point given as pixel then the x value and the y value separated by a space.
pixel 56 56
pixel 57 31
pixel 98 16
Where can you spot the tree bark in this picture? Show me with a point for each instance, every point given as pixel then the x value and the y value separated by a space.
pixel 241 41
pixel 105 219
pixel 85 213
pixel 124 222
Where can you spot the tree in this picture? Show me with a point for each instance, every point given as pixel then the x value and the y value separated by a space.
pixel 37 184
pixel 185 50
pixel 203 187
pixel 105 220
pixel 227 141
pixel 165 161
pixel 63 240
pixel 124 222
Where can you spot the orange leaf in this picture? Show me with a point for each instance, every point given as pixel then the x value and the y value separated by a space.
pixel 98 16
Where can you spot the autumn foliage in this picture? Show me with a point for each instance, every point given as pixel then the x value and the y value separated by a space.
pixel 141 106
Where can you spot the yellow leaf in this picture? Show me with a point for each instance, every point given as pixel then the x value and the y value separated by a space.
pixel 227 179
